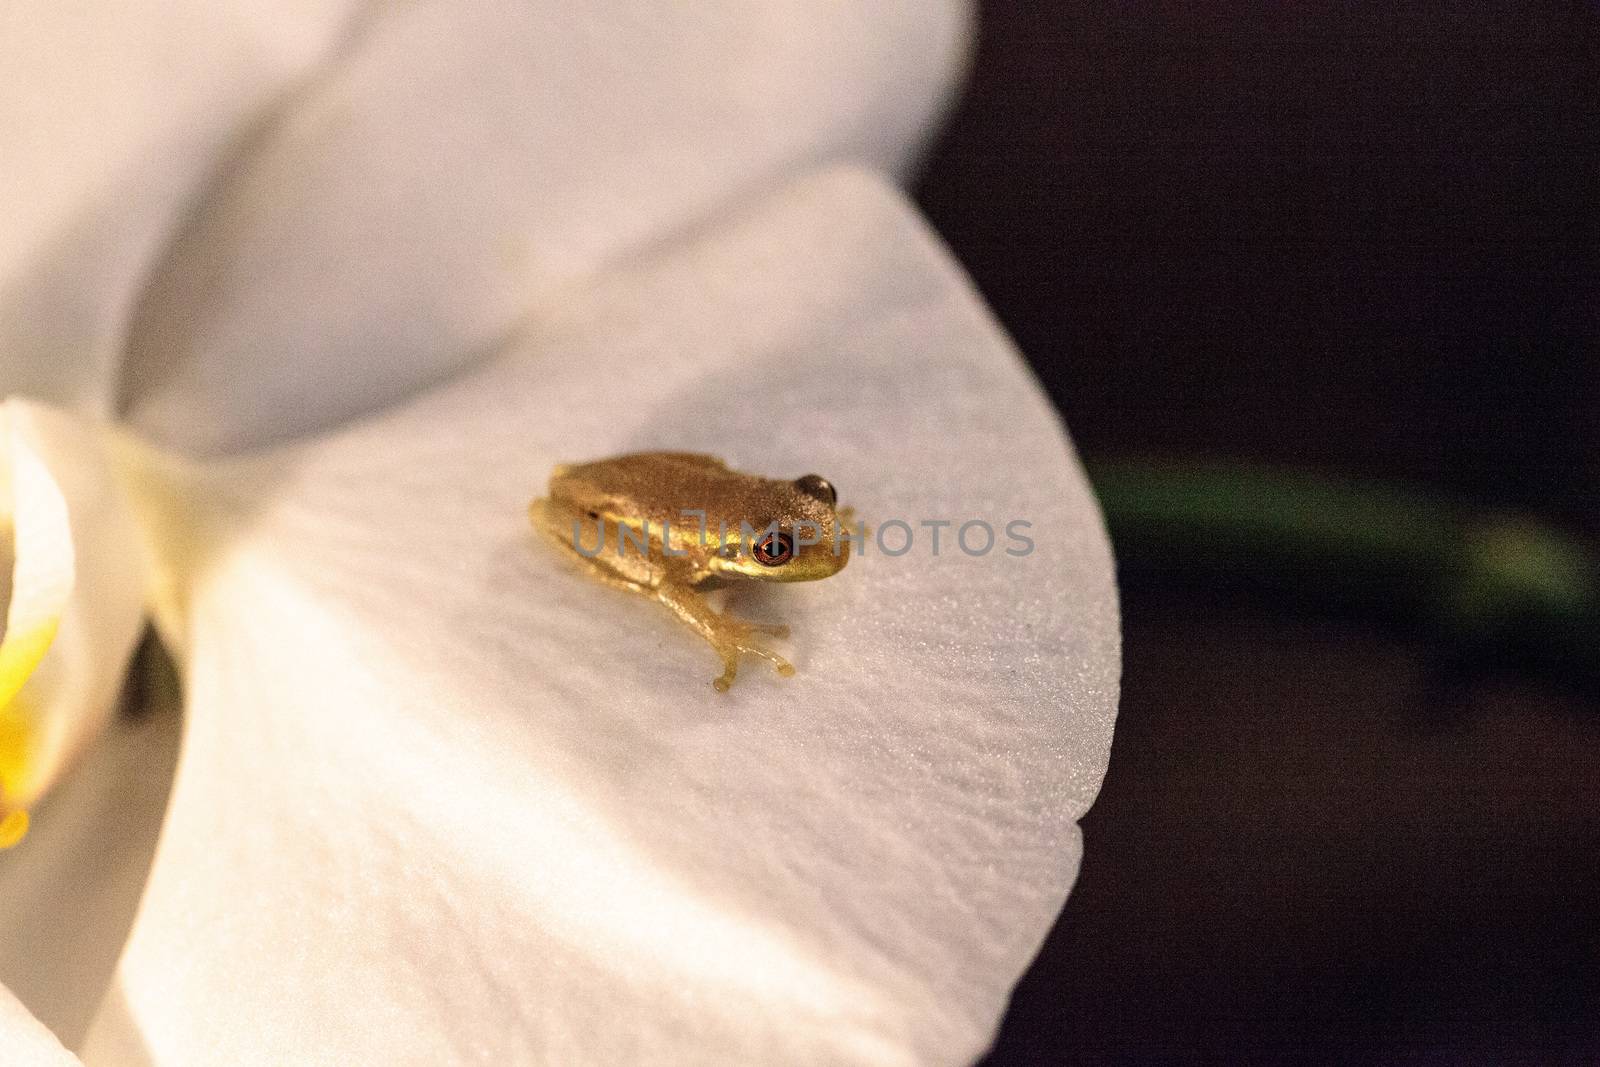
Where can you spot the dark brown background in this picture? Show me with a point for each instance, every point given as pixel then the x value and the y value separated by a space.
pixel 1360 239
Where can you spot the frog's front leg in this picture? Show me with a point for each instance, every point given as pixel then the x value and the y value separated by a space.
pixel 848 520
pixel 729 636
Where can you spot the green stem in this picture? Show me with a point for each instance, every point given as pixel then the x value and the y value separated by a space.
pixel 1488 581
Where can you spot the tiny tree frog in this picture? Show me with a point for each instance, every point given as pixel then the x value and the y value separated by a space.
pixel 673 525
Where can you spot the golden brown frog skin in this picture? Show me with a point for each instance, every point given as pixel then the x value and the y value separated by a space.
pixel 755 529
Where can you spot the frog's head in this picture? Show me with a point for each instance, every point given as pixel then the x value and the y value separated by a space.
pixel 792 533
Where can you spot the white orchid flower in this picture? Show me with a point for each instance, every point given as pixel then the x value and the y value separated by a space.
pixel 299 304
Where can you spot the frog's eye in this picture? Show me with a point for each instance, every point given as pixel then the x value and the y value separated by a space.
pixel 774 550
pixel 818 486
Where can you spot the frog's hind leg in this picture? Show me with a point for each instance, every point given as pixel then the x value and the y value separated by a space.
pixel 728 636
pixel 540 513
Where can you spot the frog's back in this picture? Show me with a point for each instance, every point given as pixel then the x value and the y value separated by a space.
pixel 643 464
pixel 644 485
pixel 674 464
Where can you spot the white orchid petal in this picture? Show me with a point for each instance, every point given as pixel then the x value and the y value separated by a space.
pixel 469 158
pixel 25 1041
pixel 113 117
pixel 443 799
pixel 76 596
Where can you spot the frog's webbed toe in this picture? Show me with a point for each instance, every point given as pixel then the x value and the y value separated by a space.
pixel 731 652
pixel 731 637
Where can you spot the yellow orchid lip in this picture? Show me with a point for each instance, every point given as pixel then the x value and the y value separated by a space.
pixel 34 519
